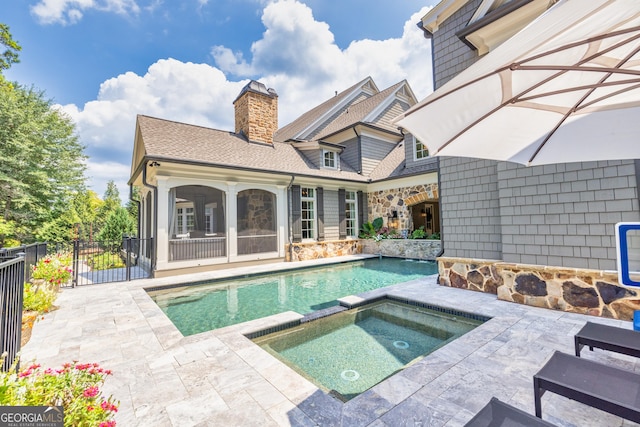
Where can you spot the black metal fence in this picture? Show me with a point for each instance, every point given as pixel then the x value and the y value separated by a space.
pixel 12 274
pixel 32 254
pixel 109 261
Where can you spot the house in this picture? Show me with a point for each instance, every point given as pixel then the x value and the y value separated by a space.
pixel 542 235
pixel 211 198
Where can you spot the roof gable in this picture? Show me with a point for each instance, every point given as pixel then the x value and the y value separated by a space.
pixel 374 110
pixel 309 122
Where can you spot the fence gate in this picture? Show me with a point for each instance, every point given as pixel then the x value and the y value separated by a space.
pixel 110 261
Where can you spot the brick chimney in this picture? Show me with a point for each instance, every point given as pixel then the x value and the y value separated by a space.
pixel 256 112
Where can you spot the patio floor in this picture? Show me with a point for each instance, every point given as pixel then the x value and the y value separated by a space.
pixel 221 378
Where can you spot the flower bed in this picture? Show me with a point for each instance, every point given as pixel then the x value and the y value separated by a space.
pixel 74 386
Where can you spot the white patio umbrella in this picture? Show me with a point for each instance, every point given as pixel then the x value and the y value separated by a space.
pixel 566 88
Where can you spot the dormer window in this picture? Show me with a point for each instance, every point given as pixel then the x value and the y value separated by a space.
pixel 330 159
pixel 421 151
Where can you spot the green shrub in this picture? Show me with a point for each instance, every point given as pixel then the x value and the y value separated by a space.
pixel 105 261
pixel 75 387
pixel 419 233
pixel 38 298
pixel 370 230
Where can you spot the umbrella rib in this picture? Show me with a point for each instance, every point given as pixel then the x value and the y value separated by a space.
pixel 589 41
pixel 583 87
pixel 607 70
pixel 587 104
pixel 577 104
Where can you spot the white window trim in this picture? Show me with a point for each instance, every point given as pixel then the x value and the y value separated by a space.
pixel 415 150
pixel 356 226
pixel 336 159
pixel 315 213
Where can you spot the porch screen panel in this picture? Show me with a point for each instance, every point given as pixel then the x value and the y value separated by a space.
pixel 342 220
pixel 257 225
pixel 198 228
pixel 296 213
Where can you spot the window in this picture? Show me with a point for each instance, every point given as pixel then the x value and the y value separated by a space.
pixel 421 150
pixel 308 213
pixel 329 159
pixel 210 218
pixel 351 213
pixel 185 221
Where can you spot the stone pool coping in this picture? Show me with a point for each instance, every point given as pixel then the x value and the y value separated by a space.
pixel 221 377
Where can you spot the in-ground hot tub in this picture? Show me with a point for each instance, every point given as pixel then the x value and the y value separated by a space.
pixel 347 353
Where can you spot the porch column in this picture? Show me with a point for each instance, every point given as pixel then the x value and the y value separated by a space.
pixel 162 239
pixel 282 215
pixel 232 221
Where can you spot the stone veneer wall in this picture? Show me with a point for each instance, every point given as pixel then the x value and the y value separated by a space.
pixel 382 203
pixel 403 248
pixel 316 250
pixel 592 292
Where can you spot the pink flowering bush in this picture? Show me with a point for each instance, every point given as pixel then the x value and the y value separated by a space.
pixel 53 269
pixel 74 386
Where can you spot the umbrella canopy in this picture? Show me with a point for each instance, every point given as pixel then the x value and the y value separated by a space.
pixel 566 88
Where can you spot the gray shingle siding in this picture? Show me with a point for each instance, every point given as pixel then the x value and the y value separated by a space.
pixel 331 221
pixel 351 153
pixel 565 214
pixel 373 151
pixel 470 208
pixel 450 54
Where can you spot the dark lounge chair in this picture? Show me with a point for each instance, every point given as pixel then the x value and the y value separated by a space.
pixel 499 414
pixel 620 340
pixel 604 387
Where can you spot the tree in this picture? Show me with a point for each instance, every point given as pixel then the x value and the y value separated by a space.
pixel 77 221
pixel 10 55
pixel 117 224
pixel 42 161
pixel 133 205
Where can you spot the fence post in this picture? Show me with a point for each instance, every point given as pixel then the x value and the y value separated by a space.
pixel 76 257
pixel 128 257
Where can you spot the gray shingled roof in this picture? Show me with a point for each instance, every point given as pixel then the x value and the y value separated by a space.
pixel 357 112
pixel 195 144
pixel 290 131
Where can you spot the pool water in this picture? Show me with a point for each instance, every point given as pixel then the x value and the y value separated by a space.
pixel 350 352
pixel 199 308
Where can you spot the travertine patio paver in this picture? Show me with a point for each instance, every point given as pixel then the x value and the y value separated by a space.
pixel 221 378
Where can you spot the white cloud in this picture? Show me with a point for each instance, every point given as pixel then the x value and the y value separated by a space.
pixel 297 56
pixel 103 172
pixel 71 11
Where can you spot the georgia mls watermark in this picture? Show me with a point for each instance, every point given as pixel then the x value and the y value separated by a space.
pixel 31 416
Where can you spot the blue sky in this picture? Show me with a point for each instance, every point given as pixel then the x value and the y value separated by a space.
pixel 105 61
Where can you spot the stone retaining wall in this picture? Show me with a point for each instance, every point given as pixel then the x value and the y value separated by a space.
pixel 316 250
pixel 403 248
pixel 575 290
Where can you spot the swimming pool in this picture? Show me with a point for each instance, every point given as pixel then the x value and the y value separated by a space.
pixel 199 308
pixel 349 352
